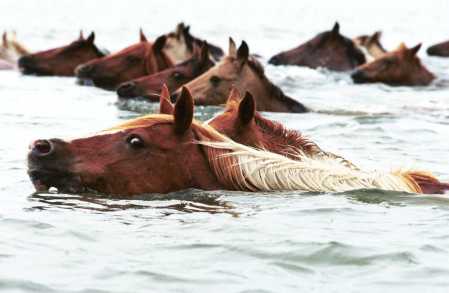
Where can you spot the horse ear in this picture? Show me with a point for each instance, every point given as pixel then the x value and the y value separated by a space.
pixel 232 51
pixel 5 40
pixel 233 98
pixel 179 30
pixel 142 36
pixel 91 38
pixel 336 28
pixel 183 111
pixel 247 109
pixel 243 52
pixel 376 36
pixel 159 43
pixel 401 47
pixel 204 53
pixel 81 37
pixel 165 105
pixel 414 50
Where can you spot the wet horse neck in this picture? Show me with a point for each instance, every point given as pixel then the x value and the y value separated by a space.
pixel 268 96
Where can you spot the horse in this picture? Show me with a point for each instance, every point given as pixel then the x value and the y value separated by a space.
pixel 370 45
pixel 61 61
pixel 244 72
pixel 140 59
pixel 160 153
pixel 440 49
pixel 180 44
pixel 150 86
pixel 329 49
pixel 401 67
pixel 11 50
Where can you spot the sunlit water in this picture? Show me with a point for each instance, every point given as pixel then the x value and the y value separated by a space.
pixel 361 241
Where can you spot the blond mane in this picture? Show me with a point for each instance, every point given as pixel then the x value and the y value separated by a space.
pixel 250 169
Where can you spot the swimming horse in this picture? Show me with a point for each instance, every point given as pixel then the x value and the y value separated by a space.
pixel 61 61
pixel 164 153
pixel 149 87
pixel 329 49
pixel 401 67
pixel 140 59
pixel 242 71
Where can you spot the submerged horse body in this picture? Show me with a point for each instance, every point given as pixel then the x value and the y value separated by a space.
pixel 174 77
pixel 135 61
pixel 240 70
pixel 61 61
pixel 397 68
pixel 329 49
pixel 141 155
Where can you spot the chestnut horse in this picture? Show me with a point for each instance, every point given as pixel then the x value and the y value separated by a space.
pixel 329 49
pixel 11 50
pixel 399 67
pixel 61 61
pixel 150 86
pixel 370 45
pixel 135 61
pixel 244 72
pixel 180 45
pixel 440 49
pixel 165 153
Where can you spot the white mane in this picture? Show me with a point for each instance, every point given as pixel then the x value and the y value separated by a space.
pixel 259 170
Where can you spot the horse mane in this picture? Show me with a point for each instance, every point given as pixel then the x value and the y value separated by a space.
pixel 246 168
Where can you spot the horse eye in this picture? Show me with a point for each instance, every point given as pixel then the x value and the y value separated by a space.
pixel 215 80
pixel 135 141
pixel 177 75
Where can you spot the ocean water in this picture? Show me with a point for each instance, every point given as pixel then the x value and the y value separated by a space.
pixel 221 241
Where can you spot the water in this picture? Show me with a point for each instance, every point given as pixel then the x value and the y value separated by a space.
pixel 195 241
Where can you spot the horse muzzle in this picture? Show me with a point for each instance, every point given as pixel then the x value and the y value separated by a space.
pixel 48 167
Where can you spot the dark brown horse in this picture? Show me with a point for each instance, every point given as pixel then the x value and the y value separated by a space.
pixel 135 61
pixel 370 45
pixel 61 61
pixel 240 70
pixel 150 86
pixel 399 67
pixel 180 45
pixel 165 153
pixel 440 49
pixel 329 49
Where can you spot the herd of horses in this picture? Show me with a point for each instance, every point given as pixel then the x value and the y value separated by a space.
pixel 238 149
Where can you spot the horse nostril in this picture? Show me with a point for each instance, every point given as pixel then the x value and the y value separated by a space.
pixel 84 69
pixel 275 60
pixel 41 147
pixel 358 76
pixel 125 89
pixel 24 60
